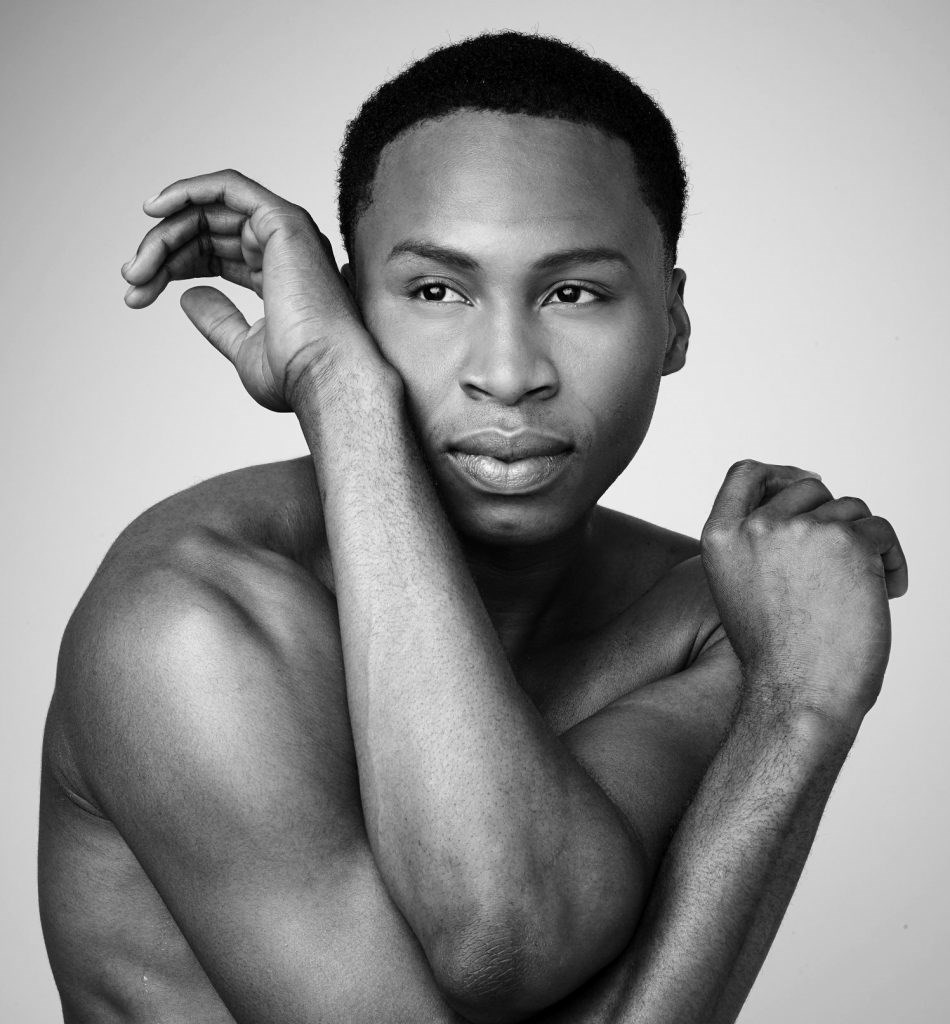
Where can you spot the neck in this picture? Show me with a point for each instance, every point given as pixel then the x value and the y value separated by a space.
pixel 521 585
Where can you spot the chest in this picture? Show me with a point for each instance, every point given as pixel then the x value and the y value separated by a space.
pixel 578 675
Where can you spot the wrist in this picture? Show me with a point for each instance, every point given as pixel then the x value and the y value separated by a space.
pixel 321 374
pixel 801 714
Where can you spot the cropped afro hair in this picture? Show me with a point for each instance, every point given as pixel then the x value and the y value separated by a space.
pixel 515 73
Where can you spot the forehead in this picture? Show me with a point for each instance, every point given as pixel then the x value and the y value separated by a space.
pixel 482 178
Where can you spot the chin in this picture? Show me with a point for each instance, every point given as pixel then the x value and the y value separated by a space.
pixel 511 523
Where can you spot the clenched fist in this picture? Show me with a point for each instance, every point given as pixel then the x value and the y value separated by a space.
pixel 802 582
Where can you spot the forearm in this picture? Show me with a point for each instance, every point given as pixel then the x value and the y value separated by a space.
pixel 725 880
pixel 478 817
pixel 718 900
pixel 780 883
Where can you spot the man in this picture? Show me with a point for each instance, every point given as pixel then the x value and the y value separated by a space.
pixel 411 729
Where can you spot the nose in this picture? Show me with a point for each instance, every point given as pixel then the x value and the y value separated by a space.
pixel 507 362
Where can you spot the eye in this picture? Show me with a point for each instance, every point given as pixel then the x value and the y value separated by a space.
pixel 573 295
pixel 437 292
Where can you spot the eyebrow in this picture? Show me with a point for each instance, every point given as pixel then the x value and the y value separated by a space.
pixel 462 261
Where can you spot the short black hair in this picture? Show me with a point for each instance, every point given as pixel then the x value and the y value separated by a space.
pixel 516 73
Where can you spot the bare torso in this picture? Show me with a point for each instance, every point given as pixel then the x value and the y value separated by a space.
pixel 247 549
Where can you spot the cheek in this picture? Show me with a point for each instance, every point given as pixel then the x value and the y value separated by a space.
pixel 417 363
pixel 392 338
pixel 620 398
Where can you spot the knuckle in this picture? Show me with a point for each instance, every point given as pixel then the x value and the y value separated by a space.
pixel 165 231
pixel 297 217
pixel 268 211
pixel 715 536
pixel 799 528
pixel 758 524
pixel 218 325
pixel 744 466
pixel 302 217
pixel 857 503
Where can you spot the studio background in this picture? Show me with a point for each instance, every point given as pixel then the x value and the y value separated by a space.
pixel 816 141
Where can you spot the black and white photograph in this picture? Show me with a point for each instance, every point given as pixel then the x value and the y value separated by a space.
pixel 475 512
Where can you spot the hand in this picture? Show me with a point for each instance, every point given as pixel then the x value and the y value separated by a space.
pixel 225 225
pixel 802 582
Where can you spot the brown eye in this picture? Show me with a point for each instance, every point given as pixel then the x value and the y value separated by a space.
pixel 436 293
pixel 573 295
pixel 569 293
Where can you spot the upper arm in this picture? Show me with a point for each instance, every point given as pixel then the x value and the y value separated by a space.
pixel 223 757
pixel 649 749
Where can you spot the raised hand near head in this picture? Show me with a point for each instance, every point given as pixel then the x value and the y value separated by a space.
pixel 226 225
pixel 802 582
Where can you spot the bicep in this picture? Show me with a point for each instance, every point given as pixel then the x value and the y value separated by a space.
pixel 649 750
pixel 229 773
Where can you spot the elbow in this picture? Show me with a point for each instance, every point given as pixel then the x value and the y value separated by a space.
pixel 505 970
pixel 484 974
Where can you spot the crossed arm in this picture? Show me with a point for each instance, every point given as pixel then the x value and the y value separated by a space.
pixel 546 881
pixel 518 876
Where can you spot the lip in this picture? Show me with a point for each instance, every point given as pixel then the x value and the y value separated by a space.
pixel 517 462
pixel 509 446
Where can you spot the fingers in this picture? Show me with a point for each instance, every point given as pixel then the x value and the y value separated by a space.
pixel 230 188
pixel 197 242
pixel 196 259
pixel 841 510
pixel 218 319
pixel 251 251
pixel 140 296
pixel 206 230
pixel 212 222
pixel 881 536
pixel 749 483
pixel 796 498
pixel 878 533
pixel 761 494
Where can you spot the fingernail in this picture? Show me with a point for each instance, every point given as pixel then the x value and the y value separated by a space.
pixel 129 292
pixel 125 266
pixel 152 200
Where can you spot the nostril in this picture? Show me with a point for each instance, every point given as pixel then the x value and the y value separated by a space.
pixel 507 370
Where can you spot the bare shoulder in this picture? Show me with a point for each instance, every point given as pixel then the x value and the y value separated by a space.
pixel 660 548
pixel 274 507
pixel 657 575
pixel 225 550
pixel 205 583
pixel 669 606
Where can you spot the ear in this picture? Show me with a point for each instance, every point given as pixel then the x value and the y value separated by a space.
pixel 677 339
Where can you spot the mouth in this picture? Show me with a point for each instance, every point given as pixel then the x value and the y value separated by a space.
pixel 510 463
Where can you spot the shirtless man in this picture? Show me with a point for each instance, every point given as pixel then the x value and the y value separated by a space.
pixel 401 731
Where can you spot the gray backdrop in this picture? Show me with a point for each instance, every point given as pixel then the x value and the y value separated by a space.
pixel 816 139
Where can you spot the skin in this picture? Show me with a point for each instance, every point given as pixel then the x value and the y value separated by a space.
pixel 465 811
pixel 490 337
